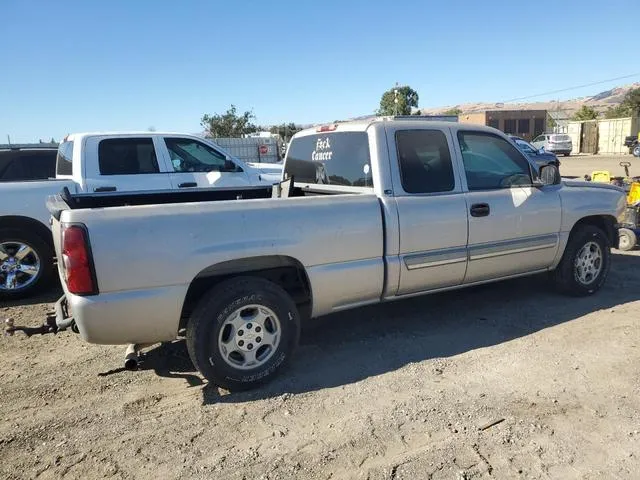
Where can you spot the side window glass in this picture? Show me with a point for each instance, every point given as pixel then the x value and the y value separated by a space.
pixel 425 161
pixel 490 162
pixel 192 156
pixel 127 156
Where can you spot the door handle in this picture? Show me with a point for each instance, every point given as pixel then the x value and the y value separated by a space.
pixel 480 210
pixel 105 189
pixel 187 185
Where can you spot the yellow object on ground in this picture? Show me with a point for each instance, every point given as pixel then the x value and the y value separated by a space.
pixel 601 176
pixel 634 194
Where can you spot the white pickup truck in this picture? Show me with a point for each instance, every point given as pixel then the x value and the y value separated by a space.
pixel 107 162
pixel 370 212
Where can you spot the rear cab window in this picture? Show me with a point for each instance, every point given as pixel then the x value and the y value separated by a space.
pixel 339 159
pixel 64 165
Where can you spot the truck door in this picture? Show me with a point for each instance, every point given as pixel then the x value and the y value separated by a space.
pixel 195 164
pixel 123 164
pixel 432 210
pixel 513 227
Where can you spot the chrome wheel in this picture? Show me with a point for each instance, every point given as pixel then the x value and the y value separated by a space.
pixel 249 337
pixel 588 264
pixel 19 265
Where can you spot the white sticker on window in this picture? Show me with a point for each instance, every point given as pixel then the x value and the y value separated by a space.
pixel 366 169
pixel 322 152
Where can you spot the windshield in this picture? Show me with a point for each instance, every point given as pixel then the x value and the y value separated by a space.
pixel 526 147
pixel 330 159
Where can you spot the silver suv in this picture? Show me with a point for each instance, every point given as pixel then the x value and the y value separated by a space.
pixel 558 143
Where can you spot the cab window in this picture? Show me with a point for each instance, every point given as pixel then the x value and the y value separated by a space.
pixel 189 155
pixel 425 161
pixel 491 162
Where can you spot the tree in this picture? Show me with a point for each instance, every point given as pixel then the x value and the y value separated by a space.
pixel 229 124
pixel 452 111
pixel 585 113
pixel 406 98
pixel 618 111
pixel 285 130
pixel 629 107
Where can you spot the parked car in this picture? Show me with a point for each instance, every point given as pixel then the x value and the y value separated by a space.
pixel 371 211
pixel 558 143
pixel 19 164
pixel 540 157
pixel 106 162
pixel 631 141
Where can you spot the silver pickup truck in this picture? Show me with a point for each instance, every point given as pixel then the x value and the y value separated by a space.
pixel 368 212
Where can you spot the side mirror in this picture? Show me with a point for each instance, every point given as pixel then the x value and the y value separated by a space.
pixel 550 175
pixel 541 149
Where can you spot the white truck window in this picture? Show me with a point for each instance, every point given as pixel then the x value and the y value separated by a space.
pixel 127 156
pixel 191 156
pixel 491 162
pixel 63 161
pixel 425 161
pixel 338 158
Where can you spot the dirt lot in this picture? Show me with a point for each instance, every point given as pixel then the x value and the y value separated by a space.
pixel 579 165
pixel 396 391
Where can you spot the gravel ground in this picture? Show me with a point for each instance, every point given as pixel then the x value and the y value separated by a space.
pixel 400 391
pixel 580 165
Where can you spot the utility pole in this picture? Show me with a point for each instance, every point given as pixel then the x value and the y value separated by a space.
pixel 8 139
pixel 395 100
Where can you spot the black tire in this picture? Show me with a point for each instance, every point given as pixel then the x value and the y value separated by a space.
pixel 205 326
pixel 45 254
pixel 636 151
pixel 628 239
pixel 567 154
pixel 565 275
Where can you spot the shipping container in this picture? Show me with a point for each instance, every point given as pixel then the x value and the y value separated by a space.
pixel 612 132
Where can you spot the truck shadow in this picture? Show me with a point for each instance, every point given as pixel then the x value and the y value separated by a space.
pixel 351 346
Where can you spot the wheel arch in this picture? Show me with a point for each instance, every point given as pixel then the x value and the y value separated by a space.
pixel 606 223
pixel 285 271
pixel 29 224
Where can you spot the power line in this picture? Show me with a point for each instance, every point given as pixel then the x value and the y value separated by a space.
pixel 571 88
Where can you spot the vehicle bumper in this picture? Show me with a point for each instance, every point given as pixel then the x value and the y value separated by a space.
pixel 140 316
pixel 561 151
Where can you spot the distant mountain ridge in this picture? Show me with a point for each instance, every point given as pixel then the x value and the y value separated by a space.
pixel 563 108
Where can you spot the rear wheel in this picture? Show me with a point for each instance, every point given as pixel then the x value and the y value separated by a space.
pixel 627 239
pixel 26 263
pixel 243 332
pixel 636 151
pixel 567 154
pixel 585 264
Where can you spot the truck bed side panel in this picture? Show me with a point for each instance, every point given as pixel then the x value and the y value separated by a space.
pixel 337 238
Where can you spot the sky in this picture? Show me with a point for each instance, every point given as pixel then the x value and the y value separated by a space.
pixel 71 66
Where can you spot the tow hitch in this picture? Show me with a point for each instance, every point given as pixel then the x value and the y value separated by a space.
pixel 56 321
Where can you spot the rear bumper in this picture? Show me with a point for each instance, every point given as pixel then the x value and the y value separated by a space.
pixel 140 316
pixel 559 150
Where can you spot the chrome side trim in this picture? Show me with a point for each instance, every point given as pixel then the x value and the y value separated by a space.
pixel 509 247
pixel 435 258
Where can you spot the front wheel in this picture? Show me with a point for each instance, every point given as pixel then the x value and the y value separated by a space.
pixel 636 151
pixel 627 239
pixel 243 332
pixel 585 264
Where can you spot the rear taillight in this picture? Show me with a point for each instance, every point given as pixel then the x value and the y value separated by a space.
pixel 78 269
